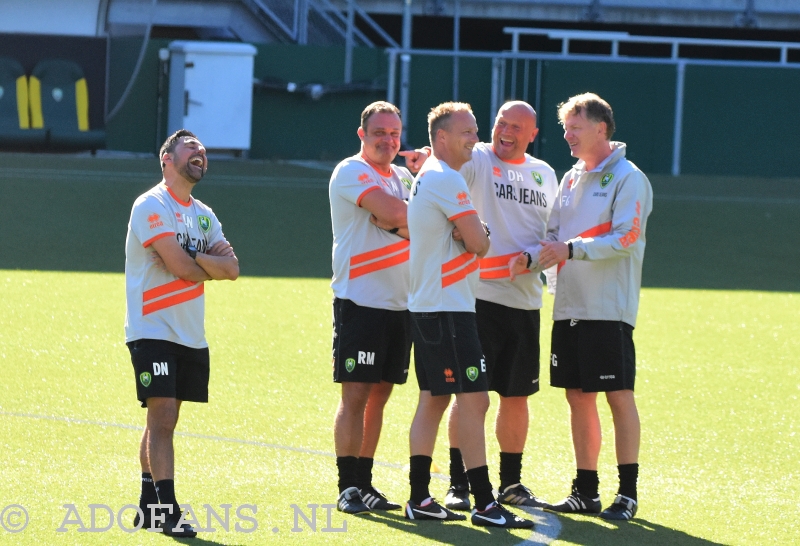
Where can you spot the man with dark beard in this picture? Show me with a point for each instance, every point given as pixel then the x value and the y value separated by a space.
pixel 174 244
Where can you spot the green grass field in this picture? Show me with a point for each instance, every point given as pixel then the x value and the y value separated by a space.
pixel 718 370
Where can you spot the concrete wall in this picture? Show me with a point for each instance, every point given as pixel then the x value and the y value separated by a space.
pixel 58 17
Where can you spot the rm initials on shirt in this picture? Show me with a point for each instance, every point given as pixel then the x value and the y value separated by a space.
pixel 160 368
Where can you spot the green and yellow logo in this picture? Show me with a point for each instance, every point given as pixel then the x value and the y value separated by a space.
pixel 606 180
pixel 144 379
pixel 406 182
pixel 537 178
pixel 472 373
pixel 350 364
pixel 204 222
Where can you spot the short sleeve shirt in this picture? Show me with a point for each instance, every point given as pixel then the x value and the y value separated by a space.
pixel 370 265
pixel 444 276
pixel 159 304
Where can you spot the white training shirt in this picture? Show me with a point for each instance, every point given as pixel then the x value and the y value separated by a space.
pixel 370 265
pixel 515 200
pixel 444 276
pixel 603 212
pixel 159 304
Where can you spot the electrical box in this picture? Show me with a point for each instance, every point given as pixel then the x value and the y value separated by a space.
pixel 211 93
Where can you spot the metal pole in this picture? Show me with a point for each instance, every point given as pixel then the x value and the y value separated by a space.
pixel 392 83
pixel 538 104
pixel 302 22
pixel 348 42
pixel 676 138
pixel 405 61
pixel 456 45
pixel 495 89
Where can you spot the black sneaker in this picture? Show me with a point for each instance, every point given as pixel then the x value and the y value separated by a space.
pixel 431 510
pixel 376 500
pixel 171 528
pixel 145 520
pixel 624 508
pixel 519 495
pixel 496 515
pixel 350 502
pixel 576 503
pixel 457 498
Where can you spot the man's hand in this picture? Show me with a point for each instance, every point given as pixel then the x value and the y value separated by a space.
pixel 552 253
pixel 158 262
pixel 415 159
pixel 221 248
pixel 457 235
pixel 517 265
pixel 383 225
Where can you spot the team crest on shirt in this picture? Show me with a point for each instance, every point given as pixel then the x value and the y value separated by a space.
pixel 350 364
pixel 463 198
pixel 364 178
pixel 155 220
pixel 606 180
pixel 472 373
pixel 144 379
pixel 537 178
pixel 204 222
pixel 406 182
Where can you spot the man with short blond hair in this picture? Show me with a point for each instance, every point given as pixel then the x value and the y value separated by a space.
pixel 447 351
pixel 596 235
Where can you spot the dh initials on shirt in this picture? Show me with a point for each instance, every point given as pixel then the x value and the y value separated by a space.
pixel 366 358
pixel 160 368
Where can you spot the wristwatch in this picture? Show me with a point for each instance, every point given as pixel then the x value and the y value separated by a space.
pixel 192 251
pixel 530 259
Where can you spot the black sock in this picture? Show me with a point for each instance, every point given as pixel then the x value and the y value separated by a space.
pixel 458 476
pixel 587 483
pixel 364 469
pixel 148 494
pixel 628 474
pixel 166 495
pixel 419 477
pixel 510 469
pixel 348 472
pixel 480 486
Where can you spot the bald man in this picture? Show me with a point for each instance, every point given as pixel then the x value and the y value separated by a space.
pixel 513 193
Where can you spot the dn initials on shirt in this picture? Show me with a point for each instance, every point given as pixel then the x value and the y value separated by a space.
pixel 160 368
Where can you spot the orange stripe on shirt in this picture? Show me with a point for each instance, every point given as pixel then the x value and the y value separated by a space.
pixel 459 215
pixel 380 264
pixel 497 261
pixel 365 192
pixel 156 238
pixel 165 289
pixel 602 229
pixel 500 273
pixel 459 275
pixel 173 300
pixel 378 252
pixel 457 262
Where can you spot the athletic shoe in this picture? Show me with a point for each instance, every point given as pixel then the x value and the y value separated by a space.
pixel 624 508
pixel 376 500
pixel 350 502
pixel 457 498
pixel 519 495
pixel 145 519
pixel 496 515
pixel 431 510
pixel 576 503
pixel 184 530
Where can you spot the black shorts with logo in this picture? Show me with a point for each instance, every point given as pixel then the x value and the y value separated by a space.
pixel 510 341
pixel 447 353
pixel 169 370
pixel 370 345
pixel 592 355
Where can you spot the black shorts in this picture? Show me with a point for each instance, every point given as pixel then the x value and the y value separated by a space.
pixel 169 370
pixel 592 355
pixel 510 341
pixel 370 345
pixel 447 353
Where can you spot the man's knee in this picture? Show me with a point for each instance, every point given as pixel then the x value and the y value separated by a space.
pixel 380 393
pixel 621 400
pixel 162 415
pixel 474 403
pixel 355 396
pixel 577 399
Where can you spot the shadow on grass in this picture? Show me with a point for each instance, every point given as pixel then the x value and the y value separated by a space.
pixel 456 533
pixel 598 532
